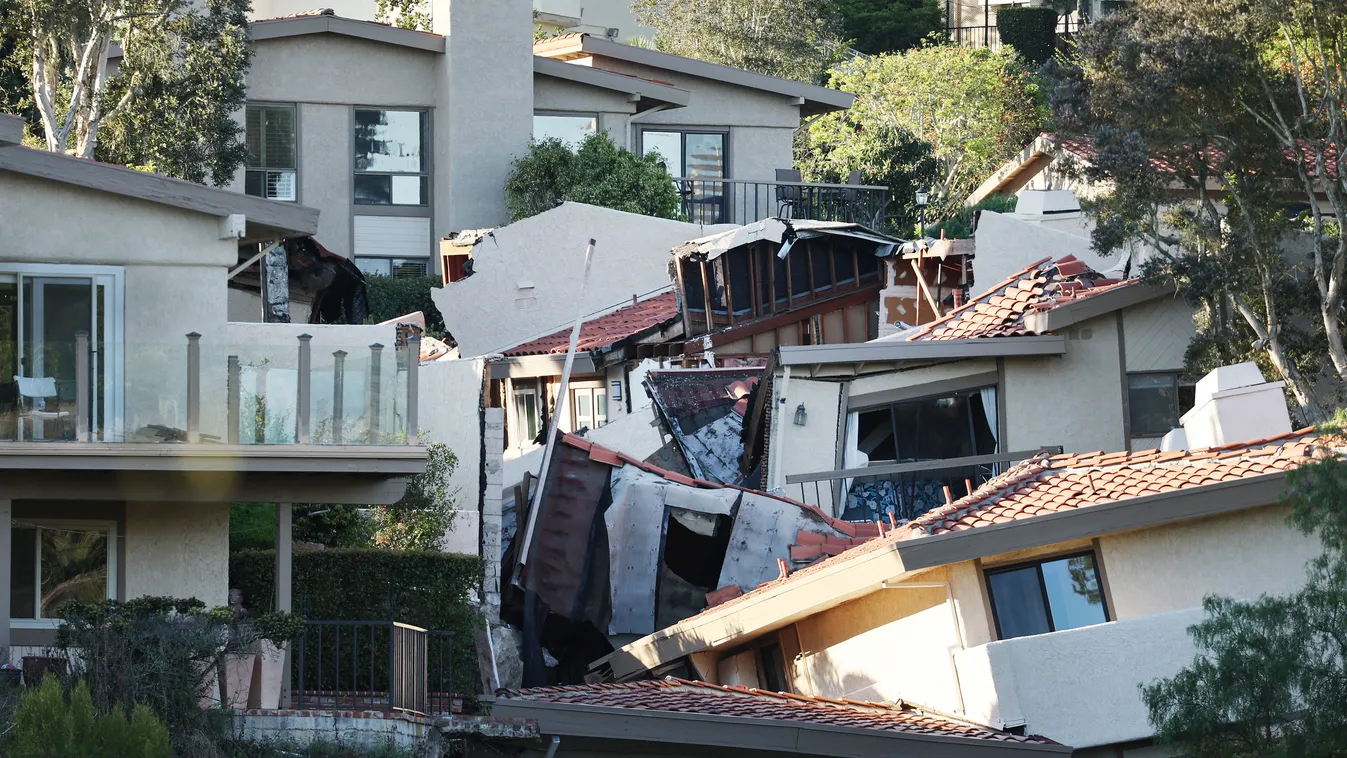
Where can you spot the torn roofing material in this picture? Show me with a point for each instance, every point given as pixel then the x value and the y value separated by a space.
pixel 609 329
pixel 694 697
pixel 704 410
pixel 784 232
pixel 1005 310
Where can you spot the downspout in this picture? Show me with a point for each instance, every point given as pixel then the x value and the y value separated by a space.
pixel 552 748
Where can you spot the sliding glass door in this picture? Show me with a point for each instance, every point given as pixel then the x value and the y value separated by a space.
pixel 42 308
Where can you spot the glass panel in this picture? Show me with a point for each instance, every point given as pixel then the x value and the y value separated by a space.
pixel 600 407
pixel 584 416
pixel 255 183
pixel 1153 404
pixel 23 573
pixel 526 411
pixel 53 310
pixel 280 185
pixel 409 268
pixel 9 354
pixel 705 156
pixel 407 190
pixel 571 130
pixel 874 435
pixel 740 271
pixel 373 189
pixel 1073 592
pixel 374 266
pixel 74 567
pixel 669 145
pixel 390 141
pixel 798 260
pixel 270 136
pixel 822 264
pixel 1017 600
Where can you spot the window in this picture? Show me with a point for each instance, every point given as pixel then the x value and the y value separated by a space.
pixel 1046 596
pixel 589 407
pixel 271 168
pixel 1155 402
pixel 398 268
pixel 772 669
pixel 390 159
pixel 697 157
pixel 52 563
pixel 570 129
pixel 526 417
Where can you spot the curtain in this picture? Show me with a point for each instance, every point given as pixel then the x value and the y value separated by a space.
pixel 989 410
pixel 852 457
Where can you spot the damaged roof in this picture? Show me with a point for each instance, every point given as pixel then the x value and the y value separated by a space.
pixel 693 697
pixel 704 410
pixel 609 329
pixel 784 232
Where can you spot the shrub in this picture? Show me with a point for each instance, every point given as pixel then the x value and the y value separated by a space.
pixel 598 172
pixel 390 298
pixel 162 652
pixel 960 225
pixel 1031 30
pixel 47 725
pixel 428 589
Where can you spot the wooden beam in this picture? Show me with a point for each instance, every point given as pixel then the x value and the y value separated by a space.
pixel 921 284
pixel 683 295
pixel 794 316
pixel 706 298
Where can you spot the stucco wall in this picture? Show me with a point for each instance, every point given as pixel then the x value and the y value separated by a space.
pixel 336 69
pixel 1074 400
pixel 1006 244
pixel 527 275
pixel 552 94
pixel 450 412
pixel 178 550
pixel 326 141
pixel 804 449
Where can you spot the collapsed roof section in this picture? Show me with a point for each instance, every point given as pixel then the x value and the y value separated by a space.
pixel 704 410
pixel 602 333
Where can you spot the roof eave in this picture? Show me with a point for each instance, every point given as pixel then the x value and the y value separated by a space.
pixel 302 25
pixel 266 219
pixel 1086 308
pixel 648 93
pixel 901 350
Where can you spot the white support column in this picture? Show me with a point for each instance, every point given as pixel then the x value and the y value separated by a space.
pixel 6 550
pixel 284 598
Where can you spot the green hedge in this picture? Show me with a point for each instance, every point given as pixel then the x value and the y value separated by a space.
pixel 422 588
pixel 1031 30
pixel 390 298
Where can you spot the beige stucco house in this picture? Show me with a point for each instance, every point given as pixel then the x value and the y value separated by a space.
pixel 1039 602
pixel 131 409
pixel 403 137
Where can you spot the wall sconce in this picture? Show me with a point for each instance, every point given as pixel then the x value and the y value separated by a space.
pixel 800 415
pixel 616 393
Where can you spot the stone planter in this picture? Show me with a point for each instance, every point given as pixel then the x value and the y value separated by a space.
pixel 268 676
pixel 238 681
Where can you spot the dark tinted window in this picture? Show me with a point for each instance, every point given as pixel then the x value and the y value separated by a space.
pixel 1153 404
pixel 1047 596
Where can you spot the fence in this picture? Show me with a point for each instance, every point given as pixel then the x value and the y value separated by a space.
pixel 374 665
pixel 905 490
pixel 735 201
pixel 989 36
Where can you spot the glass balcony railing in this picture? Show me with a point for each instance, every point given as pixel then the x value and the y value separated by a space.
pixel 209 391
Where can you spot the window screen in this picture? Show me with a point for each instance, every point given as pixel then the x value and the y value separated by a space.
pixel 1153 404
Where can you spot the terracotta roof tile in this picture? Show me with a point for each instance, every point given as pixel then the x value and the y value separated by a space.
pixel 607 330
pixel 683 696
pixel 1001 310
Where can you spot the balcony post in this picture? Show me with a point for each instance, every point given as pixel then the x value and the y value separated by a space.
pixel 6 532
pixel 338 390
pixel 413 385
pixel 283 568
pixel 234 389
pixel 372 400
pixel 302 389
pixel 82 386
pixel 193 387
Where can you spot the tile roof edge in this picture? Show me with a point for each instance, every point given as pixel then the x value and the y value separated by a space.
pixel 987 295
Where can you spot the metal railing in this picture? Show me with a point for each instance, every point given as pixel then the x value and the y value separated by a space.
pixel 376 666
pixel 989 36
pixel 737 201
pixel 905 490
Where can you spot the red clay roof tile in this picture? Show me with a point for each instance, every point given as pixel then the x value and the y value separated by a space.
pixel 607 330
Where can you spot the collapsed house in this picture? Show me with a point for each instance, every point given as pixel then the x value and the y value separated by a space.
pixel 703 410
pixel 620 548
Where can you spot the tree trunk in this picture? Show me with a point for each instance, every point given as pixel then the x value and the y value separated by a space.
pixel 1314 413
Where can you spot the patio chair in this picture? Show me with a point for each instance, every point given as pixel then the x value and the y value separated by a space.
pixel 787 196
pixel 33 393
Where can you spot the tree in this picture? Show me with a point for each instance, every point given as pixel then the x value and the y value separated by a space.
pixel 794 39
pixel 888 26
pixel 1218 125
pixel 1031 30
pixel 975 108
pixel 884 154
pixel 598 172
pixel 166 104
pixel 1270 676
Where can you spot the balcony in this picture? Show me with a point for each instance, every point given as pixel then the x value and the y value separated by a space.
pixel 739 202
pixel 252 384
pixel 1080 686
pixel 989 36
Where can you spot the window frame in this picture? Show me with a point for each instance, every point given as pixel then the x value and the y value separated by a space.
pixel 522 441
pixel 427 168
pixel 1037 564
pixel 1177 385
pixel 109 527
pixel 295 110
pixel 683 131
pixel 890 406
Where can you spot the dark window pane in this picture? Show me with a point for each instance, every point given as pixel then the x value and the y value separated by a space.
pixel 74 567
pixel 765 295
pixel 1153 404
pixel 373 189
pixel 1017 601
pixel 773 669
pixel 779 265
pixel 844 261
pixel 23 574
pixel 874 434
pixel 798 259
pixel 693 291
pixel 741 280
pixel 822 264
pixel 409 268
pixel 868 264
pixel 255 183
pixel 270 136
pixel 1073 592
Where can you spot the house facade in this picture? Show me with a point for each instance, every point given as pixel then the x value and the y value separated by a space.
pixel 390 133
pixel 132 412
pixel 1038 603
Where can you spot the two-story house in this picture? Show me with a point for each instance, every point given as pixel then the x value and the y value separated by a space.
pixel 131 409
pixel 1040 601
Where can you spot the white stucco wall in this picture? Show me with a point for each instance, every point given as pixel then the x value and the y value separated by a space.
pixel 1007 244
pixel 178 550
pixel 804 449
pixel 527 275
pixel 450 413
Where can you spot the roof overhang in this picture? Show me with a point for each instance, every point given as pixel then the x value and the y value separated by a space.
pixel 191 473
pixel 367 30
pixel 11 130
pixel 1086 308
pixel 845 580
pixel 890 351
pixel 811 98
pixel 527 366
pixel 1018 171
pixel 645 93
pixel 716 735
pixel 266 219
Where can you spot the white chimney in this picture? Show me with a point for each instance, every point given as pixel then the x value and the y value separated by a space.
pixel 1235 404
pixel 1041 204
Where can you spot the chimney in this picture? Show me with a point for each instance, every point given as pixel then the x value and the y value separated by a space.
pixel 484 117
pixel 1234 404
pixel 1040 205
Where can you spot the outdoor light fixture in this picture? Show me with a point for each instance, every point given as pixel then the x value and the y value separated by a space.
pixel 800 415
pixel 923 196
pixel 617 390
